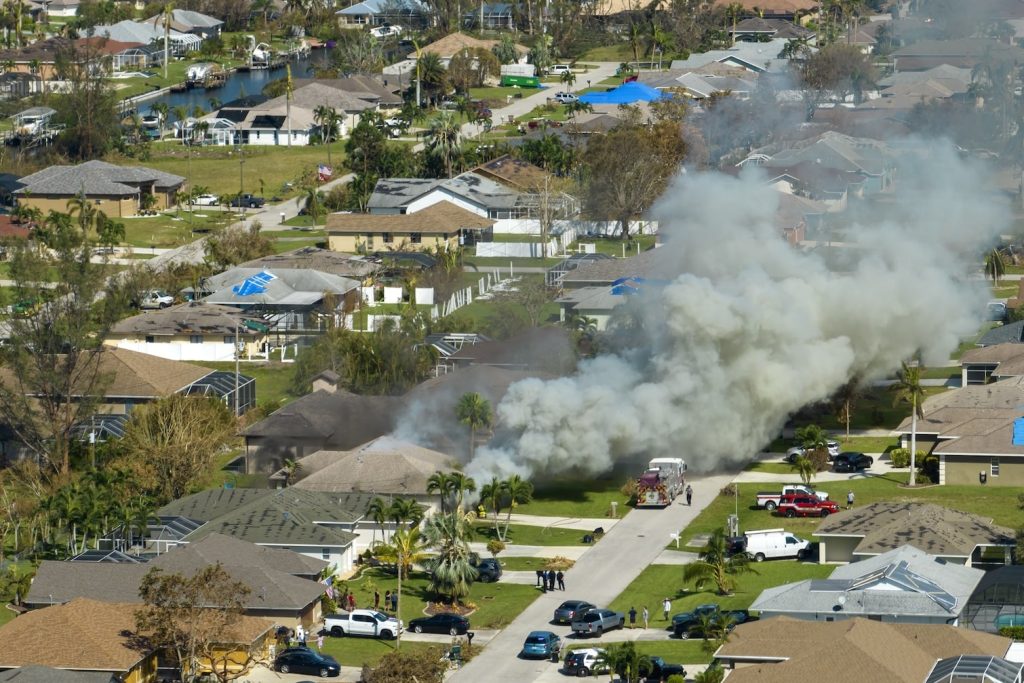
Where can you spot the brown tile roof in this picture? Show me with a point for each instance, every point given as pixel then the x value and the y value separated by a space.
pixel 106 46
pixel 772 6
pixel 849 651
pixel 453 42
pixel 82 634
pixel 935 529
pixel 517 173
pixel 143 375
pixel 441 218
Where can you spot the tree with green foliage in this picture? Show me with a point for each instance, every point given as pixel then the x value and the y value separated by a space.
pixel 192 617
pixel 86 106
pixel 908 389
pixel 492 497
pixel 427 665
pixel 237 244
pixel 505 50
pixel 518 491
pixel 451 568
pixel 814 440
pixel 474 411
pixel 441 483
pixel 444 141
pixel 839 69
pixel 713 674
pixel 625 661
pixel 328 121
pixel 995 266
pixel 471 68
pixel 405 512
pixel 715 565
pixel 803 466
pixel 432 74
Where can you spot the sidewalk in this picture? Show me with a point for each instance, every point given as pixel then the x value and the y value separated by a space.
pixel 582 524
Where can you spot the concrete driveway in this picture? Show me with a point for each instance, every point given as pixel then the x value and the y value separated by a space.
pixel 599 575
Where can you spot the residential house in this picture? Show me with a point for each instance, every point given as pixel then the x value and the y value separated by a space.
pixel 753 57
pixel 454 43
pixel 904 585
pixel 612 10
pixel 831 187
pixel 1011 333
pixel 118 191
pixel 320 525
pixel 99 638
pixel 193 331
pixel 125 55
pixel 188 21
pixel 408 13
pixel 796 216
pixel 47 674
pixel 470 191
pixel 515 173
pixel 965 53
pixel 443 224
pixel 327 419
pixel 975 432
pixel 287 299
pixel 790 10
pixel 991 363
pixel 954 536
pixel 780 649
pixel 760 30
pixel 597 303
pixel 997 600
pixel 870 159
pixel 653 264
pixel 367 88
pixel 27 69
pixel 128 31
pixel 62 8
pixel 324 260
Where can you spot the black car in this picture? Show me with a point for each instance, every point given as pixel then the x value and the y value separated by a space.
pixel 733 619
pixel 852 462
pixel 571 609
pixel 300 660
pixel 445 622
pixel 488 570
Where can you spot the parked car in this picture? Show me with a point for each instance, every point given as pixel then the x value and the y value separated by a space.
pixel 585 662
pixel 155 298
pixel 695 629
pixel 206 200
pixel 793 453
pixel 445 622
pixel 597 621
pixel 802 505
pixel 661 670
pixel 542 644
pixel 566 98
pixel 386 31
pixel 301 660
pixel 559 69
pixel 852 462
pixel 488 570
pixel 362 622
pixel 764 544
pixel 769 500
pixel 570 609
pixel 250 200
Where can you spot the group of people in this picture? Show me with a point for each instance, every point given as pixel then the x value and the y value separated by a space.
pixel 548 578
pixel 645 615
pixel 390 601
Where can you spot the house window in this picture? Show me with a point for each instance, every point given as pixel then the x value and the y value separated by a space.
pixel 325 553
pixel 416 238
pixel 150 339
pixel 229 339
pixel 386 237
pixel 196 339
pixel 995 467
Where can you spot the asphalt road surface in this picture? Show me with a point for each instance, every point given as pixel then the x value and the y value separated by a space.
pixel 599 576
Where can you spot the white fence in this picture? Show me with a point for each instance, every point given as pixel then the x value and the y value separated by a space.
pixel 582 229
pixel 516 249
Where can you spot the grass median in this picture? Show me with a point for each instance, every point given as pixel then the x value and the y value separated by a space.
pixel 523 534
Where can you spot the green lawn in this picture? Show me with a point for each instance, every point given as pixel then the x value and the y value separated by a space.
pixel 360 651
pixel 971 343
pixel 940 373
pixel 174 228
pixel 996 502
pixel 873 410
pixel 773 467
pixel 568 497
pixel 658 582
pixel 497 603
pixel 609 53
pixel 272 379
pixel 282 245
pixel 521 534
pixel 217 168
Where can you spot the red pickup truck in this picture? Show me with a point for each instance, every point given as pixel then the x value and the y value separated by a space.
pixel 802 505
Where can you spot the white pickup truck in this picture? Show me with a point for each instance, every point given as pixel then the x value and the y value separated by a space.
pixel 769 501
pixel 363 622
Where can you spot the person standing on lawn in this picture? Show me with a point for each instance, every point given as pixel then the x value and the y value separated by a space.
pixel 632 617
pixel 646 616
pixel 376 599
pixel 666 606
pixel 394 603
pixel 387 600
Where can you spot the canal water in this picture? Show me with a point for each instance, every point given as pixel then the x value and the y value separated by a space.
pixel 239 84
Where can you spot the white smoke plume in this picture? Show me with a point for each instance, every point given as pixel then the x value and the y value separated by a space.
pixel 748 329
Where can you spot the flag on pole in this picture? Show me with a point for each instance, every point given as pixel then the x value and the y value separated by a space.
pixel 324 172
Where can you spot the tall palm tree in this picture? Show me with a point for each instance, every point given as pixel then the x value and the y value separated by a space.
pixel 518 491
pixel 433 76
pixel 813 440
pixel 405 550
pixel 444 140
pixel 403 511
pixel 715 565
pixel 161 109
pixel 441 484
pixel 803 466
pixel 625 661
pixel 181 115
pixel 908 389
pixel 995 266
pixel 378 512
pixel 474 411
pixel 451 569
pixel 326 119
pixel 461 485
pixel 492 495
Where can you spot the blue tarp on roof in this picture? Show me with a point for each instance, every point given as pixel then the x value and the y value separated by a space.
pixel 1018 432
pixel 627 93
pixel 254 284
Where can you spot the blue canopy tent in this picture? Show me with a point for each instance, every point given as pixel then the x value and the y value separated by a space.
pixel 627 93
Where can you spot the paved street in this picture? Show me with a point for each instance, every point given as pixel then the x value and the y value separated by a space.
pixel 600 575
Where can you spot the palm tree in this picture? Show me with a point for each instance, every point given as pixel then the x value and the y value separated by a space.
pixel 803 466
pixel 568 77
pixel 404 511
pixel 181 116
pixel 451 569
pixel 492 495
pixel 475 411
pixel 813 440
pixel 378 512
pixel 716 566
pixel 432 73
pixel 441 484
pixel 995 267
pixel 161 109
pixel 625 661
pixel 290 468
pixel 518 491
pixel 405 550
pixel 907 389
pixel 444 140
pixel 326 118
pixel 461 485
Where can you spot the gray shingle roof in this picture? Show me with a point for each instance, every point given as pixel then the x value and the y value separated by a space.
pixel 399 192
pixel 838 151
pixel 289 287
pixel 187 318
pixel 95 178
pixel 1012 333
pixel 383 466
pixel 314 258
pixel 342 420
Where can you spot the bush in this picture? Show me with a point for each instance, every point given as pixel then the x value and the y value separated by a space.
pixel 900 457
pixel 629 491
pixel 494 546
pixel 1014 632
pixel 676 678
pixel 728 490
pixel 929 466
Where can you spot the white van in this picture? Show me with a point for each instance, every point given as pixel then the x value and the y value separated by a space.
pixel 559 69
pixel 773 543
